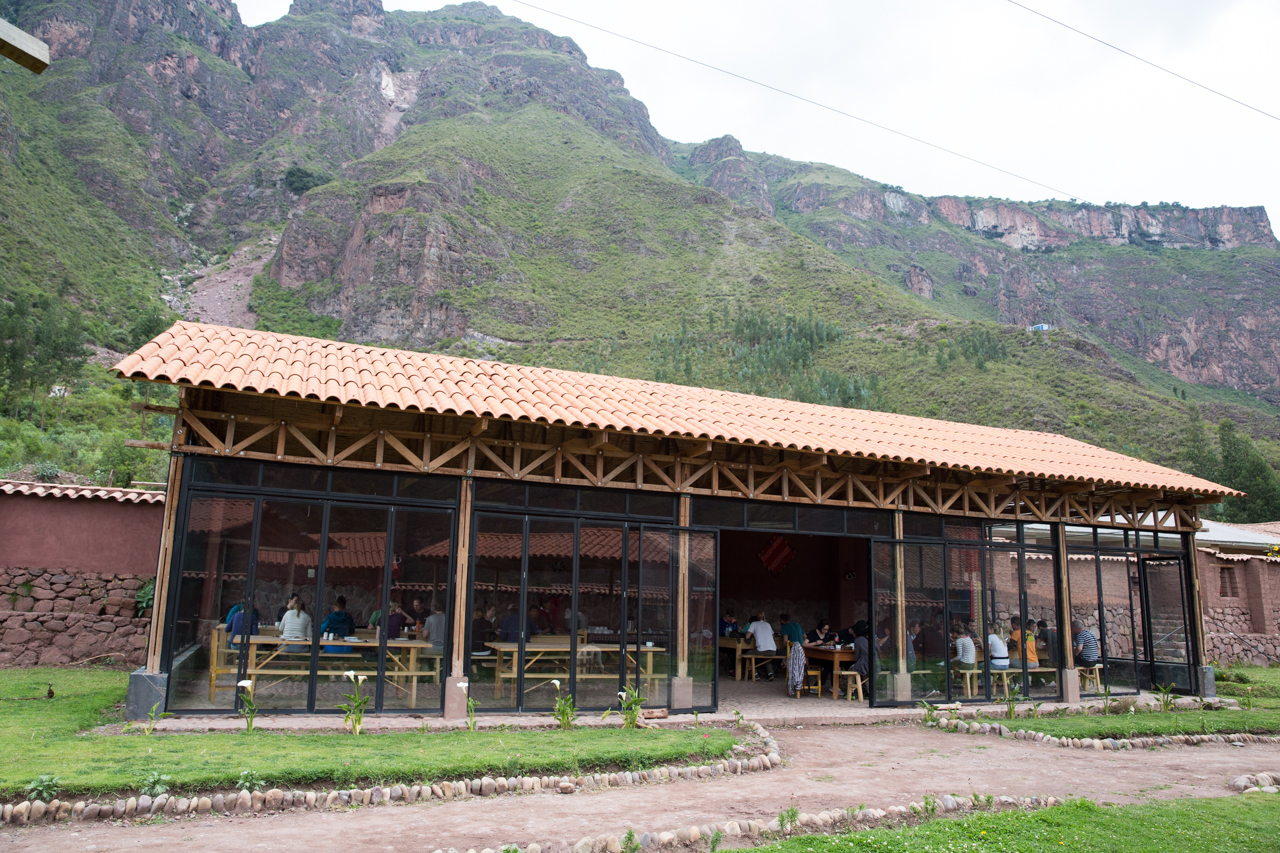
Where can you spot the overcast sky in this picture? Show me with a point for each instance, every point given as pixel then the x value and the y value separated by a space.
pixel 983 77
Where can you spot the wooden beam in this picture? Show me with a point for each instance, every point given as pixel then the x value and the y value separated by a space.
pixel 479 427
pixel 701 447
pixel 599 438
pixel 168 533
pixel 23 48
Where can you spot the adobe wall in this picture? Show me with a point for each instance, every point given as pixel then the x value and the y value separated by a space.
pixel 69 571
pixel 1245 626
pixel 82 536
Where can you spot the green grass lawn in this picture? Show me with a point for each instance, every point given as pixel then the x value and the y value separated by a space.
pixel 1148 724
pixel 1262 683
pixel 40 737
pixel 1244 824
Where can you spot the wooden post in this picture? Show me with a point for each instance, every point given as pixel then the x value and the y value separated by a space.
pixel 461 580
pixel 455 700
pixel 1070 677
pixel 682 684
pixel 902 681
pixel 24 49
pixel 160 606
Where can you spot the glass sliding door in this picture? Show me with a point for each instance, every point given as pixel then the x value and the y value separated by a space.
pixel 283 598
pixel 598 664
pixel 698 553
pixel 1041 644
pixel 965 622
pixel 420 586
pixel 210 578
pixel 355 609
pixel 552 631
pixel 649 658
pixel 497 626
pixel 1168 646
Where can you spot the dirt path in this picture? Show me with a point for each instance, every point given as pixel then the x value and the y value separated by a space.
pixel 827 767
pixel 221 296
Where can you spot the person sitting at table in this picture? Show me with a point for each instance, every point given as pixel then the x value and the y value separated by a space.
pixel 1022 645
pixel 481 628
pixel 340 624
pixel 284 608
pixel 296 625
pixel 237 624
pixel 729 625
pixel 509 631
pixel 396 621
pixel 966 655
pixel 821 634
pixel 791 630
pixel 1048 636
pixel 540 619
pixel 762 631
pixel 997 651
pixel 435 627
pixel 414 612
pixel 861 649
pixel 1084 645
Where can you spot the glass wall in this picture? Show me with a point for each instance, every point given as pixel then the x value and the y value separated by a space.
pixel 282 579
pixel 599 613
pixel 698 550
pixel 210 572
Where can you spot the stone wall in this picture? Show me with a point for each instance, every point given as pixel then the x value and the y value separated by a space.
pixel 53 618
pixel 1244 624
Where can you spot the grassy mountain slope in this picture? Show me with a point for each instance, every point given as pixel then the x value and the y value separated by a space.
pixel 484 191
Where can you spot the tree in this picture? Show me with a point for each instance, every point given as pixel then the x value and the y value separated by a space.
pixel 1198 455
pixel 1245 469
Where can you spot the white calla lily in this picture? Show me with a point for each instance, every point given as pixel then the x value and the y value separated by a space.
pixel 621 695
pixel 556 682
pixel 351 673
pixel 362 678
pixel 462 685
pixel 247 684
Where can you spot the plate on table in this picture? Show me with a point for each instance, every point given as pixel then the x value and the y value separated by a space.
pixel 352 640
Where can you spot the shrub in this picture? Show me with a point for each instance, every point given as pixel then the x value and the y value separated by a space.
pixel 299 180
pixel 44 787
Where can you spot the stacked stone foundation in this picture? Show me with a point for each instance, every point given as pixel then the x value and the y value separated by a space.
pixel 51 618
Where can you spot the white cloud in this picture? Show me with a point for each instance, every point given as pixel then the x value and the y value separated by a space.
pixel 982 77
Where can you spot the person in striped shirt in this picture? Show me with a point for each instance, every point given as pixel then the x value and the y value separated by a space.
pixel 1086 645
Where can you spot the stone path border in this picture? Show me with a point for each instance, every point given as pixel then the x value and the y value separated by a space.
pixel 144 807
pixel 1266 783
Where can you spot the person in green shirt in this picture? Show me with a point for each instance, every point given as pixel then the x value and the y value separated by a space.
pixel 791 630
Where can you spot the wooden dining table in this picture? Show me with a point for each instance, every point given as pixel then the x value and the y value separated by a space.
pixel 739 645
pixel 554 660
pixel 837 656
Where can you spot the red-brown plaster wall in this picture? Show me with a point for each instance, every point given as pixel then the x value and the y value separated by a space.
pixel 80 535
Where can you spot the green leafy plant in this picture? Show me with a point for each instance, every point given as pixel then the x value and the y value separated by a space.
pixel 1247 698
pixel 930 805
pixel 248 707
pixel 1107 701
pixel 716 838
pixel 630 700
pixel 154 716
pixel 1164 695
pixel 44 787
pixel 564 712
pixel 250 781
pixel 738 720
pixel 788 818
pixel 355 705
pixel 145 597
pixel 630 844
pixel 695 719
pixel 1035 709
pixel 1011 702
pixel 930 712
pixel 154 783
pixel 472 704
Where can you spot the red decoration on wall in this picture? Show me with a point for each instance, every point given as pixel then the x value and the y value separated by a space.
pixel 777 554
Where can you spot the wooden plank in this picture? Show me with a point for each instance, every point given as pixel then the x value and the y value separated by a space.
pixel 146 445
pixel 23 48
pixel 306 442
pixel 724 469
pixel 253 439
pixel 164 563
pixel 621 468
pixel 399 447
pixel 202 431
pixel 355 446
pixel 497 460
pixel 661 474
pixel 438 462
pixel 461 581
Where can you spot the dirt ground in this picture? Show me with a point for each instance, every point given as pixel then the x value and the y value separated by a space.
pixel 221 296
pixel 826 767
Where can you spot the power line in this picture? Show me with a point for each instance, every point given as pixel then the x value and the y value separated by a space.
pixel 1144 61
pixel 810 101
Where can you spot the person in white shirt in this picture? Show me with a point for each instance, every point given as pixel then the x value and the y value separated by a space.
pixel 296 625
pixel 762 631
pixel 435 627
pixel 997 652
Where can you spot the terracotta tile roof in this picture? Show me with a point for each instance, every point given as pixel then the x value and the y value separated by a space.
pixel 55 490
pixel 288 365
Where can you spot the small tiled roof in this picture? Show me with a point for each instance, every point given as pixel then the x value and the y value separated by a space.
pixel 55 490
pixel 329 371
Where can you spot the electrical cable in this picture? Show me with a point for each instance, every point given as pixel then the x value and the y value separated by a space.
pixel 812 102
pixel 1144 61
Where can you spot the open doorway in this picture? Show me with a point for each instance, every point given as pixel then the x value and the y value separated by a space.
pixel 817 582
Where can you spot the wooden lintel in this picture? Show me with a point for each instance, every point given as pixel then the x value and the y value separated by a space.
pixel 146 445
pixel 337 416
pixel 151 407
pixel 479 427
